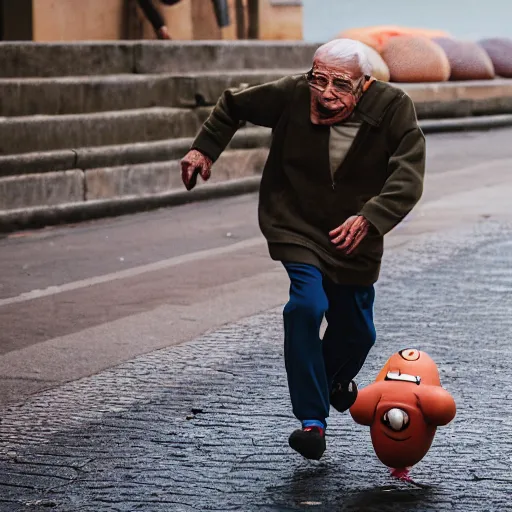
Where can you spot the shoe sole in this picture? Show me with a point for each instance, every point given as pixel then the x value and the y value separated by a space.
pixel 304 451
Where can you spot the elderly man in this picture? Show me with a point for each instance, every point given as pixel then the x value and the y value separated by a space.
pixel 346 165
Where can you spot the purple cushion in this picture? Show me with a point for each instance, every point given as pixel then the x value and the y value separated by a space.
pixel 468 60
pixel 499 50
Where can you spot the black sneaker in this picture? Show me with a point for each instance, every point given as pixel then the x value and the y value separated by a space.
pixel 309 442
pixel 343 396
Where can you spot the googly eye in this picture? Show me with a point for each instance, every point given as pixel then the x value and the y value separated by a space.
pixel 396 419
pixel 410 354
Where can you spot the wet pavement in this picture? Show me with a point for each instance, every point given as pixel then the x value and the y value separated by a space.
pixel 204 425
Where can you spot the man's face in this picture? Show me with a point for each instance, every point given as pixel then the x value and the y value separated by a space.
pixel 335 91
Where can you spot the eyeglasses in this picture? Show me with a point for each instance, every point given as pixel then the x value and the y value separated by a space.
pixel 340 86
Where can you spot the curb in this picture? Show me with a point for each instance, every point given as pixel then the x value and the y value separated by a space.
pixel 41 216
pixel 38 217
pixel 99 157
pixel 465 124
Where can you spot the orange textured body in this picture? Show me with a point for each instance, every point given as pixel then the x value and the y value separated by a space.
pixel 403 408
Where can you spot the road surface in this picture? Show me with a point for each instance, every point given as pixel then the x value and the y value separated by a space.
pixel 141 357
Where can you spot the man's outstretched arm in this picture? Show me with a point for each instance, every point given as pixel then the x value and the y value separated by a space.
pixel 261 105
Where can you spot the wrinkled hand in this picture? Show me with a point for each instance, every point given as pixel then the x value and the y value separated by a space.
pixel 350 234
pixel 192 164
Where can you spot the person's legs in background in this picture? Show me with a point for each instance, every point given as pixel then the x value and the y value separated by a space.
pixel 221 10
pixel 220 7
pixel 155 18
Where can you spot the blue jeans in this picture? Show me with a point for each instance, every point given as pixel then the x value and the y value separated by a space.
pixel 313 365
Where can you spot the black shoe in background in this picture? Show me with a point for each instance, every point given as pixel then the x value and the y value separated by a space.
pixel 343 395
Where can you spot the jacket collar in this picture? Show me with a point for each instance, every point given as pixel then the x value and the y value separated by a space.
pixel 375 102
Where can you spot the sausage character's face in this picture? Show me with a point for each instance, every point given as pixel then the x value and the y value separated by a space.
pixel 412 362
pixel 400 435
pixel 403 408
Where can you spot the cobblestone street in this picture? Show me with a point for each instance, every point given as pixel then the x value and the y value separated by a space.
pixel 204 425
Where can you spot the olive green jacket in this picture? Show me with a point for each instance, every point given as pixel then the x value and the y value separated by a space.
pixel 300 201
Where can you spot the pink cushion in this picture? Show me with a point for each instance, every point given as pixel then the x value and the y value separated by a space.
pixel 415 59
pixel 499 50
pixel 377 36
pixel 468 60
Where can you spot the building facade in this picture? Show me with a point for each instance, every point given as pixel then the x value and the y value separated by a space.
pixel 79 20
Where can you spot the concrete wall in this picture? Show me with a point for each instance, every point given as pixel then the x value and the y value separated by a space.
pixel 280 21
pixel 89 20
pixel 68 20
pixel 471 19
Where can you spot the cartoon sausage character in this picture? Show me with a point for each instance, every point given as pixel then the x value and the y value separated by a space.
pixel 403 408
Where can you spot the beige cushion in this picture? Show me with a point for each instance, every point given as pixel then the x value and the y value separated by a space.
pixel 468 60
pixel 380 68
pixel 415 59
pixel 499 50
pixel 378 36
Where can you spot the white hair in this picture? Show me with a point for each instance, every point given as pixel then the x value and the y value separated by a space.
pixel 341 51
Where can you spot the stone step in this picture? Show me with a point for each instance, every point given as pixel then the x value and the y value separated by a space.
pixel 25 59
pixel 40 216
pixel 23 134
pixel 26 134
pixel 86 158
pixel 43 133
pixel 76 185
pixel 119 155
pixel 116 180
pixel 158 177
pixel 461 99
pixel 78 95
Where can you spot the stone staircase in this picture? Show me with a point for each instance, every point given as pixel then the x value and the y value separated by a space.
pixel 93 121
pixel 86 124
